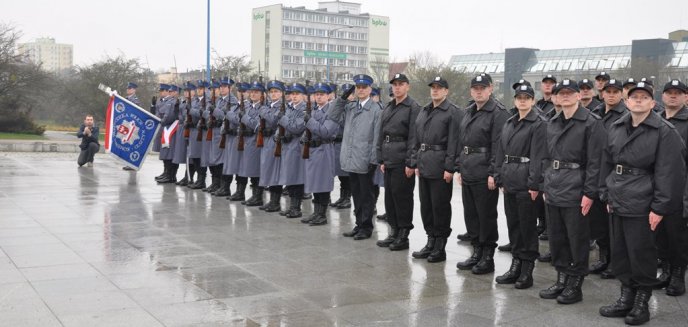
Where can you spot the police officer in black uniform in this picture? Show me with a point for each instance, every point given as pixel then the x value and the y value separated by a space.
pixel 545 104
pixel 588 99
pixel 644 170
pixel 434 152
pixel 672 233
pixel 600 81
pixel 481 128
pixel 519 172
pixel 395 152
pixel 574 144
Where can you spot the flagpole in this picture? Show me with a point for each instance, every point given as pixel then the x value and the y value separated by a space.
pixel 207 54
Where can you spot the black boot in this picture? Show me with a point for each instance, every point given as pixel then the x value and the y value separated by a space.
pixel 622 306
pixel 308 219
pixel 464 237
pixel 346 202
pixel 665 276
pixel 402 241
pixel 640 313
pixel 321 217
pixel 199 184
pixel 425 251
pixel 341 198
pixel 164 171
pixel 184 181
pixel 573 292
pixel 274 204
pixel 438 254
pixel 602 264
pixel 224 190
pixel 525 280
pixel 505 248
pixel 553 291
pixel 486 263
pixel 512 274
pixel 472 260
pixel 295 208
pixel 541 225
pixel 214 184
pixel 239 194
pixel 256 197
pixel 171 175
pixel 393 233
pixel 677 282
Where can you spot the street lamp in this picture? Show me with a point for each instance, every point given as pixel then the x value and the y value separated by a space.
pixel 327 49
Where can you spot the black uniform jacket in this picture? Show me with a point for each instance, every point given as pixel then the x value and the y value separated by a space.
pixel 643 168
pixel 609 117
pixel 397 133
pixel 437 134
pixel 680 121
pixel 520 153
pixel 576 141
pixel 480 130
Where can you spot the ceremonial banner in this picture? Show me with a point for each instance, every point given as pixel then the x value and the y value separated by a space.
pixel 129 130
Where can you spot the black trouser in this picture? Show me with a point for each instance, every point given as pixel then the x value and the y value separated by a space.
pixel 521 220
pixel 275 188
pixel 399 197
pixel 435 206
pixel 599 224
pixel 215 170
pixel 633 250
pixel 364 199
pixel 197 164
pixel 376 191
pixel 244 180
pixel 86 155
pixel 672 240
pixel 344 183
pixel 540 211
pixel 295 191
pixel 569 239
pixel 321 198
pixel 480 214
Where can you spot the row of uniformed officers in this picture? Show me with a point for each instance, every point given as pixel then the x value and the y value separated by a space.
pixel 605 167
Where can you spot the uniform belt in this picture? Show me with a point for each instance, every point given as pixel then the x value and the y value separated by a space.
pixel 625 170
pixel 469 150
pixel 315 144
pixel 283 139
pixel 515 159
pixel 338 139
pixel 232 132
pixel 390 138
pixel 248 133
pixel 557 164
pixel 428 147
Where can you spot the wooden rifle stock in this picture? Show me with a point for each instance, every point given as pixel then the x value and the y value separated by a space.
pixel 280 134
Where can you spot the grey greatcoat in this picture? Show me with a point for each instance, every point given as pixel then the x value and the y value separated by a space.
pixel 169 116
pixel 180 145
pixel 360 133
pixel 292 168
pixel 205 145
pixel 158 113
pixel 195 147
pixel 250 159
pixel 320 164
pixel 216 153
pixel 269 164
pixel 134 99
pixel 338 150
pixel 232 156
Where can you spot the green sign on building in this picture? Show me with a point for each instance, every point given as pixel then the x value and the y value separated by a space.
pixel 324 54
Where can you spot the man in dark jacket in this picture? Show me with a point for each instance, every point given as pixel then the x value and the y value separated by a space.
pixel 481 128
pixel 644 169
pixel 672 233
pixel 395 152
pixel 434 152
pixel 588 99
pixel 574 145
pixel 519 172
pixel 545 104
pixel 88 133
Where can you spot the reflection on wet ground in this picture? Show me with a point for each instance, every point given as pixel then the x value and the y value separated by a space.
pixel 106 247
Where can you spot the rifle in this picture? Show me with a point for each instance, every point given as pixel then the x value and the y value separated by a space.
pixel 242 126
pixel 189 120
pixel 153 102
pixel 261 127
pixel 201 122
pixel 225 122
pixel 307 145
pixel 280 134
pixel 209 136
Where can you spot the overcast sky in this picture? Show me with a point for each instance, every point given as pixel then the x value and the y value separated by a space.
pixel 157 31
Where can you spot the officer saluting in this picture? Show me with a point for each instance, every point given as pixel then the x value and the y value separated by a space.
pixel 395 155
pixel 574 144
pixel 644 169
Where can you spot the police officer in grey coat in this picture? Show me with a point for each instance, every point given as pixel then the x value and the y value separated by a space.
pixel 169 115
pixel 195 149
pixel 434 152
pixel 292 168
pixel 180 150
pixel 358 157
pixel 344 201
pixel 269 160
pixel 211 145
pixel 574 145
pixel 395 155
pixel 250 158
pixel 133 98
pixel 320 162
pixel 227 104
pixel 644 173
pixel 155 107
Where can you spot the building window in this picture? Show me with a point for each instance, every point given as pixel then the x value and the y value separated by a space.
pixel 309 46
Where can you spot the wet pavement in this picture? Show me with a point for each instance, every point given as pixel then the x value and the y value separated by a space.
pixel 105 247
